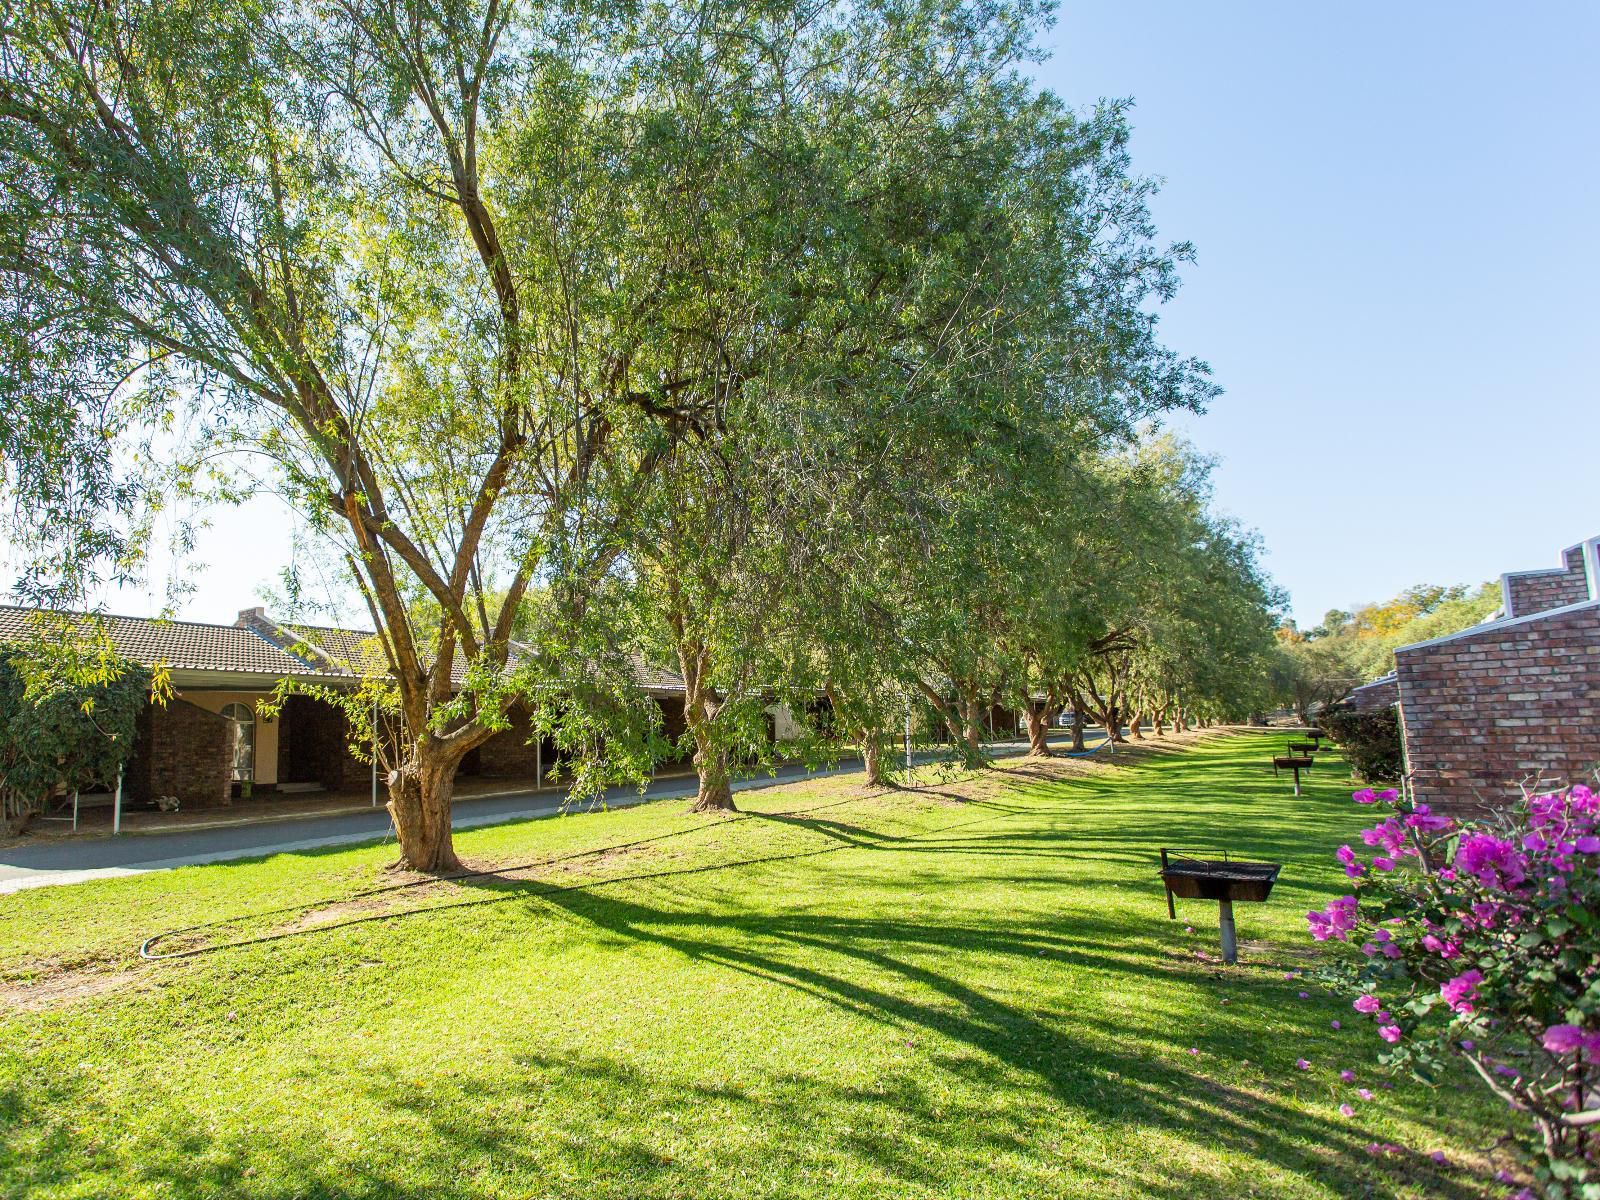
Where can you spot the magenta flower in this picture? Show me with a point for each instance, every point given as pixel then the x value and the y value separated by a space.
pixel 1569 1039
pixel 1302 1064
pixel 1305 995
pixel 1364 1093
pixel 1389 1033
pixel 1346 1111
pixel 1438 1157
pixel 1460 992
pixel 1347 1075
pixel 1365 796
pixel 1367 1004
pixel 1334 1023
pixel 1588 844
pixel 1494 861
pixel 1423 820
pixel 1383 863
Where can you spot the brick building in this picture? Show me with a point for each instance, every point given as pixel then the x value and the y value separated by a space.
pixel 1513 700
pixel 211 740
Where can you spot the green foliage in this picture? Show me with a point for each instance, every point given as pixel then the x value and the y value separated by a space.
pixel 1370 739
pixel 60 729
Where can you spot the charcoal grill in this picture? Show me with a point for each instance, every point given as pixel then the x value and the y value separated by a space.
pixel 1292 762
pixel 1304 747
pixel 1221 879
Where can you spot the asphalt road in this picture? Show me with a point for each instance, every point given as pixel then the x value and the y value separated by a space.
pixel 74 860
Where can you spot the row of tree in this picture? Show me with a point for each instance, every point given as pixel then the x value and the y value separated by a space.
pixel 807 348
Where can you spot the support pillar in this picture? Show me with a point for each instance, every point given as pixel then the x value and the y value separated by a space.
pixel 1230 943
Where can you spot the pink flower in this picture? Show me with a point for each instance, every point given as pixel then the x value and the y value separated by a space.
pixel 1460 992
pixel 1302 1064
pixel 1383 863
pixel 1193 1050
pixel 1438 1157
pixel 1365 796
pixel 1364 1093
pixel 1389 1033
pixel 1588 844
pixel 1334 1023
pixel 1367 1004
pixel 1494 861
pixel 1347 1075
pixel 1421 819
pixel 1569 1039
pixel 1346 1111
pixel 1305 995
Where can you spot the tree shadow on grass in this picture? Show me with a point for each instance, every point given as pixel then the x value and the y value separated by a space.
pixel 878 973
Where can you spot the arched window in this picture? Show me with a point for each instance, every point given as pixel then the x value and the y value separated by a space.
pixel 243 719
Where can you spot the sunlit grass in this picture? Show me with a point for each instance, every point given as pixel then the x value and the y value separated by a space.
pixel 892 994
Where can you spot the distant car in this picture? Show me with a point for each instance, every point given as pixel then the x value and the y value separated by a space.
pixel 1064 720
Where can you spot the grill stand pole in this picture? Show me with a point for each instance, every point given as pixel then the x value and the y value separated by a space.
pixel 1230 943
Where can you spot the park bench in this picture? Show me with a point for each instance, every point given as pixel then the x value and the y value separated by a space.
pixel 1303 747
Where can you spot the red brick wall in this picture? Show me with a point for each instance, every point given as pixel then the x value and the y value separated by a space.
pixel 1379 694
pixel 509 755
pixel 314 746
pixel 183 751
pixel 1532 592
pixel 1487 710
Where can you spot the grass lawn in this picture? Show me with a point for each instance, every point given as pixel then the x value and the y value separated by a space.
pixel 967 990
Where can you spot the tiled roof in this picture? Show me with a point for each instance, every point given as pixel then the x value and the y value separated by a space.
pixel 303 650
pixel 655 679
pixel 357 649
pixel 360 650
pixel 178 645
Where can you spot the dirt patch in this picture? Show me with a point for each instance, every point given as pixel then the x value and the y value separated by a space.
pixel 60 987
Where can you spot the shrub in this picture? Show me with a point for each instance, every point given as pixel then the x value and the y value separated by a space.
pixel 1482 941
pixel 58 729
pixel 1369 739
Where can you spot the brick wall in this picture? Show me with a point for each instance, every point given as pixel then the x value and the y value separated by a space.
pixel 1380 693
pixel 184 751
pixel 314 747
pixel 1484 711
pixel 509 755
pixel 1530 592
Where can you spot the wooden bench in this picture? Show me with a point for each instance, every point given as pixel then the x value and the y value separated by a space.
pixel 1303 747
pixel 1291 762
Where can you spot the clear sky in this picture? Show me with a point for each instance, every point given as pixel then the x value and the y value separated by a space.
pixel 1395 208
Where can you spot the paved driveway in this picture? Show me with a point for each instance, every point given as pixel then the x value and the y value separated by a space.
pixel 73 860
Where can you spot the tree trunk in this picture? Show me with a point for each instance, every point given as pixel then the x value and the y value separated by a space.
pixel 1039 731
pixel 419 804
pixel 1134 732
pixel 1158 722
pixel 1077 727
pixel 715 793
pixel 972 743
pixel 872 760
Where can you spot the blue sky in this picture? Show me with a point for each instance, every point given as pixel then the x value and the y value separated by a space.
pixel 1395 210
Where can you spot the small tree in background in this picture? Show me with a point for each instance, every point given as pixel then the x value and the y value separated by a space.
pixel 66 721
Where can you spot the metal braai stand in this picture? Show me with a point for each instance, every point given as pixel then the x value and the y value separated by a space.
pixel 1221 879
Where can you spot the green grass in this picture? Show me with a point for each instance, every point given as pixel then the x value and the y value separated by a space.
pixel 901 994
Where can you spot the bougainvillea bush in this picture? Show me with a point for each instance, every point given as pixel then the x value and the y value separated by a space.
pixel 1481 940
